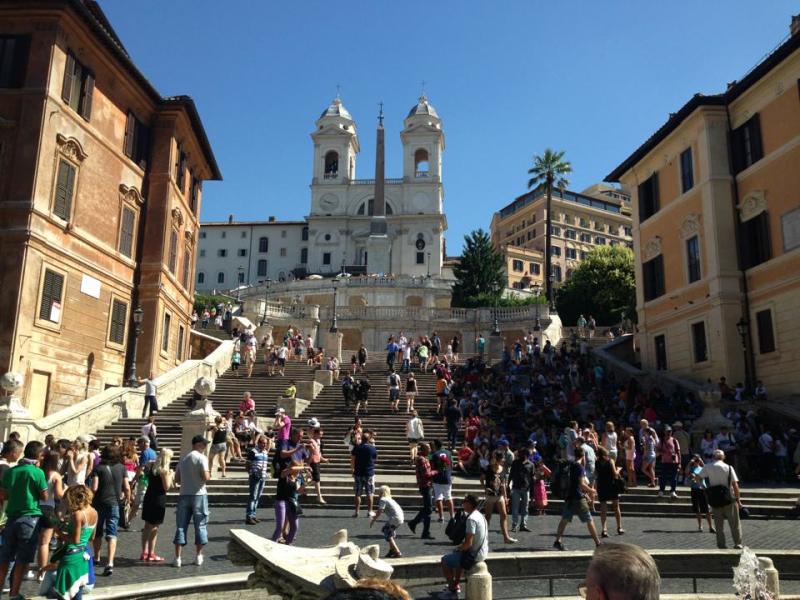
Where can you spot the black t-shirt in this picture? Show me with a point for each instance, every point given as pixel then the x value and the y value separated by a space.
pixel 109 484
pixel 521 474
pixel 453 415
pixel 576 475
pixel 219 437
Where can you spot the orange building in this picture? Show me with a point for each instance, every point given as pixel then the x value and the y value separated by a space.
pixel 100 190
pixel 717 231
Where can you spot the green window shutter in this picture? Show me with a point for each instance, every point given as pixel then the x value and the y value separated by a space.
pixel 126 232
pixel 117 329
pixel 65 187
pixel 87 92
pixel 69 76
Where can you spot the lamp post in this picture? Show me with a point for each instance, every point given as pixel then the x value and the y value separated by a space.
pixel 429 265
pixel 343 266
pixel 552 297
pixel 131 380
pixel 496 324
pixel 743 328
pixel 239 282
pixel 265 318
pixel 537 289
pixel 333 328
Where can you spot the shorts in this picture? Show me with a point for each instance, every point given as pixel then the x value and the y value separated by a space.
pixel 140 489
pixel 579 508
pixel 699 501
pixel 282 362
pixel 218 448
pixel 315 472
pixel 442 491
pixel 490 503
pixel 364 485
pixel 20 540
pixel 648 460
pixel 48 518
pixel 107 520
pixel 394 394
pixel 453 559
pixel 389 530
pixel 414 441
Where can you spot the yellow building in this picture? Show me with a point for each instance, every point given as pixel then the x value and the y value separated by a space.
pixel 580 222
pixel 716 231
pixel 524 268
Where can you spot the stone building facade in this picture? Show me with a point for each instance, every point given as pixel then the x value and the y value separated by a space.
pixel 100 191
pixel 717 231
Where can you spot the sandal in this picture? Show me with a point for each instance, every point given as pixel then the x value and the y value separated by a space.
pixel 620 531
pixel 144 556
pixel 604 534
pixel 155 558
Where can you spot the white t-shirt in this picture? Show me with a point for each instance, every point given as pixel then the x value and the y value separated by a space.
pixel 717 473
pixel 391 509
pixel 414 429
pixel 149 387
pixel 192 468
pixel 476 525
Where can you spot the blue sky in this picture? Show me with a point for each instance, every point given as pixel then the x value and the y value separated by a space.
pixel 508 78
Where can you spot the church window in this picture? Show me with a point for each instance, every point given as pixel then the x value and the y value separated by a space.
pixel 420 258
pixel 327 237
pixel 331 165
pixel 326 258
pixel 220 277
pixel 303 256
pixel 421 163
pixel 369 208
pixel 201 277
pixel 263 245
pixel 283 251
pixel 262 268
pixel 305 234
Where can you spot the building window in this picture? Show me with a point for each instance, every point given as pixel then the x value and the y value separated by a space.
pixel 628 231
pixel 687 170
pixel 421 163
pixel 224 235
pixel 261 269
pixel 555 251
pixel 165 333
pixel 240 277
pixel 600 241
pixel 586 238
pixel 536 268
pixel 202 252
pixel 222 253
pixel 571 253
pixel 746 143
pixel 304 235
pixel 583 254
pixel 660 342
pixel 557 272
pixel 179 352
pixel 202 235
pixel 52 290
pixel 137 140
pixel 555 230
pixel 699 342
pixel 116 329
pixel 220 277
pixel 194 192
pixel 613 230
pixel 13 60
pixel 331 165
pixel 187 267
pixel 326 258
pixel 516 265
pixel 173 251
pixel 570 234
pixel 78 87
pixel 201 278
pixel 65 190
pixel 653 274
pixel 693 258
pixel 648 198
pixel 180 169
pixel 420 258
pixel 244 234
pixel 242 252
pixel 263 245
pixel 126 232
pixel 283 233
pixel 766 335
pixel 584 223
pixel 568 219
pixel 303 256
pixel 283 252
pixel 599 226
pixel 755 241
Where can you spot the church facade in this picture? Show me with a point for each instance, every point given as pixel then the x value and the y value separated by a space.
pixel 335 234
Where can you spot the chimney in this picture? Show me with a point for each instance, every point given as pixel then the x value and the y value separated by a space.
pixel 230 219
pixel 271 219
pixel 794 28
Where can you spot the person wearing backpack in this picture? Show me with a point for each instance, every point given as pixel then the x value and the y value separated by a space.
pixel 474 549
pixel 393 381
pixel 724 497
pixel 576 503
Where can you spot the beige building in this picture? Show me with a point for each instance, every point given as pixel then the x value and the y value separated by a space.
pixel 580 222
pixel 100 192
pixel 524 268
pixel 717 231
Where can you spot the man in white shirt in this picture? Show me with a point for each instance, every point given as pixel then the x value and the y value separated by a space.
pixel 476 543
pixel 415 433
pixel 722 475
pixel 283 352
pixel 192 474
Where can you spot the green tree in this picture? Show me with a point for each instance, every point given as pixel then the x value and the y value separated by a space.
pixel 480 276
pixel 603 286
pixel 548 170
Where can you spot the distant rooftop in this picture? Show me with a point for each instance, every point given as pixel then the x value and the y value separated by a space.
pixel 232 223
pixel 566 195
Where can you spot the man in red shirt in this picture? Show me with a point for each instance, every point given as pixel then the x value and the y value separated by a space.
pixel 425 475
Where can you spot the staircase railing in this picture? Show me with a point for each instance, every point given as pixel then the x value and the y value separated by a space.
pixel 115 403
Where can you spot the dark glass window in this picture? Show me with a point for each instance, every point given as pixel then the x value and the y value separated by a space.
pixel 179 352
pixel 326 258
pixel 687 170
pixel 653 275
pixel 648 197
pixel 263 245
pixel 693 258
pixel 755 241
pixel 766 335
pixel 165 333
pixel 420 258
pixel 699 342
pixel 220 277
pixel 201 278
pixel 660 342
pixel 137 140
pixel 303 256
pixel 261 268
pixel 13 60
pixel 746 144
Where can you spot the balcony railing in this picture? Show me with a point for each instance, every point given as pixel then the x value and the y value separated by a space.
pixel 372 181
pixel 331 175
pixel 419 174
pixel 407 314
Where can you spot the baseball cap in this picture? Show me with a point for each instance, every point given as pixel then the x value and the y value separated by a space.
pixel 279 411
pixel 199 439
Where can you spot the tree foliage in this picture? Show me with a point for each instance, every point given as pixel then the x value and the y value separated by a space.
pixel 480 276
pixel 603 285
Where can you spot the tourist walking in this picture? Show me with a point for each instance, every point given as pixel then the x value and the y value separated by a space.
pixel 109 485
pixel 361 393
pixel 724 497
pixel 388 505
pixel 150 406
pixel 452 417
pixel 315 457
pixel 393 382
pixel 684 441
pixel 609 486
pixel 154 506
pixel 474 549
pixel 629 445
pixel 424 474
pixel 521 477
pixel 442 464
pixel 257 466
pixel 192 475
pixel 649 443
pixel 411 392
pixel 415 433
pixel 362 463
pixel 698 493
pixel 55 490
pixel 362 358
pixel 495 490
pixel 670 452
pixel 576 503
pixel 287 507
pixel 219 444
pixel 610 442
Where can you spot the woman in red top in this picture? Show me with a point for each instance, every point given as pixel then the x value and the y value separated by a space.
pixel 247 404
pixel 471 427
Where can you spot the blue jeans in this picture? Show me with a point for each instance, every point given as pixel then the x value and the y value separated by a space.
pixel 191 508
pixel 107 521
pixel 519 507
pixel 406 365
pixel 256 488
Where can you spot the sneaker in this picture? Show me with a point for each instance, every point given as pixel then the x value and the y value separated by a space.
pixel 108 571
pixel 371 513
pixel 712 530
pixel 176 562
pixel 513 529
pixel 250 521
pixel 29 576
pixel 674 495
pixel 559 545
pixel 199 560
pixel 525 529
pixel 738 546
pixel 660 494
pixel 441 519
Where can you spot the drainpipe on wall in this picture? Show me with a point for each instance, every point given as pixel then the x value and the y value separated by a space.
pixel 750 362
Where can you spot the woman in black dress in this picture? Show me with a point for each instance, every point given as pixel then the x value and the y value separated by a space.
pixel 154 505
pixel 607 476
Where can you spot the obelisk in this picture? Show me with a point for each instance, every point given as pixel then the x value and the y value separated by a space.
pixel 378 243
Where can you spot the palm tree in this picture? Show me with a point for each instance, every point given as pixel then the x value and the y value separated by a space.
pixel 549 169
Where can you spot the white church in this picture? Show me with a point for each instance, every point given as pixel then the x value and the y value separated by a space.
pixel 335 236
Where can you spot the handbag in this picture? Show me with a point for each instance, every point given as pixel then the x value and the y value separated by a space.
pixel 620 486
pixel 720 495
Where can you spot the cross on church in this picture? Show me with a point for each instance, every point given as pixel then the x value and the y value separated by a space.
pixel 423 87
pixel 380 115
pixel 338 90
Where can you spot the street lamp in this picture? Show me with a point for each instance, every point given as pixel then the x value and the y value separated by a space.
pixel 239 282
pixel 429 265
pixel 265 319
pixel 743 328
pixel 552 298
pixel 333 328
pixel 537 289
pixel 496 324
pixel 343 266
pixel 138 315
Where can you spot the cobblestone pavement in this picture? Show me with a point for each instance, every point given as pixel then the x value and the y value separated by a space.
pixel 317 525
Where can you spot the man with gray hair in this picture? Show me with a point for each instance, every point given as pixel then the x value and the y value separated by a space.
pixel 621 572
pixel 724 497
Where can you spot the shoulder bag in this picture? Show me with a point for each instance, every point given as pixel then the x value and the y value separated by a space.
pixel 720 495
pixel 468 557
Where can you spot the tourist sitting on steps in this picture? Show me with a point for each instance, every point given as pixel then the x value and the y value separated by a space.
pixel 474 549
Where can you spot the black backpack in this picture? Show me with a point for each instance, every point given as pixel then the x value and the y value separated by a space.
pixel 559 480
pixel 456 528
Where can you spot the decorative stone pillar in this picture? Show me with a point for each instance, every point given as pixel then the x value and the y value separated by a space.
pixel 332 342
pixel 263 330
pixel 479 583
pixel 494 348
pixel 11 382
pixel 771 579
pixel 197 421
